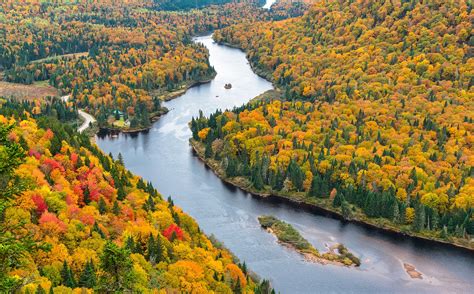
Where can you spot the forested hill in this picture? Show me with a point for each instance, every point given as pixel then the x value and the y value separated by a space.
pixel 74 218
pixel 376 117
pixel 116 59
pixel 186 4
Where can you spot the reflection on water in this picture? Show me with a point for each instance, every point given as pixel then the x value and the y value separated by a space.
pixel 163 156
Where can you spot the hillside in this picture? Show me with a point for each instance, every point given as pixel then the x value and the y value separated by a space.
pixel 375 117
pixel 72 217
pixel 117 59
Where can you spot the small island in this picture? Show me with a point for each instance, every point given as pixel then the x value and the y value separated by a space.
pixel 412 272
pixel 228 86
pixel 289 236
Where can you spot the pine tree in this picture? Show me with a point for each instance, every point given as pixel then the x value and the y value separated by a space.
pixel 346 210
pixel 96 228
pixel 117 269
pixel 116 208
pixel 158 249
pixel 67 277
pixel 257 179
pixel 87 195
pixel 121 193
pixel 150 253
pixel 419 221
pixel 231 169
pixel 102 206
pixel 87 162
pixel 444 232
pixel 88 277
pixel 244 268
pixel 296 175
pixel 130 244
pixel 324 189
pixel 150 204
pixel 315 185
pixel 208 150
pixel 395 213
pixel 338 199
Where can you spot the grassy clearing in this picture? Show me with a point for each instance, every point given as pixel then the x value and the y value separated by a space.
pixel 27 92
pixel 65 56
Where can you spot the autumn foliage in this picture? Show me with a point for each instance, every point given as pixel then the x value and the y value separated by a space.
pixel 94 214
pixel 375 107
pixel 117 59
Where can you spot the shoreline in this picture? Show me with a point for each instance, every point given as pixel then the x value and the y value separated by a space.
pixel 168 96
pixel 212 164
pixel 277 228
pixel 153 119
pixel 267 75
pixel 164 97
pixel 308 256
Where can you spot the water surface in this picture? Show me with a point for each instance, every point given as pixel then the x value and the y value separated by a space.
pixel 164 157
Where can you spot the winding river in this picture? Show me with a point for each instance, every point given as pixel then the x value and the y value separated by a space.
pixel 163 156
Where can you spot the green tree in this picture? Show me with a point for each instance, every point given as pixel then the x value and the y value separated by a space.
pixel 116 208
pixel 102 206
pixel 315 185
pixel 67 276
pixel 117 269
pixel 346 210
pixel 87 195
pixel 88 277
pixel 338 199
pixel 12 247
pixel 296 175
pixel 419 221
pixel 120 159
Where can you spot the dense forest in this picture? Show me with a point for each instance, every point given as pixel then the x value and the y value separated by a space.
pixel 185 4
pixel 72 217
pixel 115 59
pixel 374 117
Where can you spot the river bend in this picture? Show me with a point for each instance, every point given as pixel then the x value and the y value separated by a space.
pixel 163 156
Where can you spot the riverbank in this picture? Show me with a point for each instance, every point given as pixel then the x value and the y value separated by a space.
pixel 163 96
pixel 170 95
pixel 324 206
pixel 154 117
pixel 265 74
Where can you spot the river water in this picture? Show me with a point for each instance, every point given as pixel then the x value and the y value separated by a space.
pixel 163 156
pixel 269 4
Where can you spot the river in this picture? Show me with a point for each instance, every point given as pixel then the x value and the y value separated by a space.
pixel 163 156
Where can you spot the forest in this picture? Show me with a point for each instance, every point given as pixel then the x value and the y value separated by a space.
pixel 371 121
pixel 75 218
pixel 116 60
pixel 373 116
